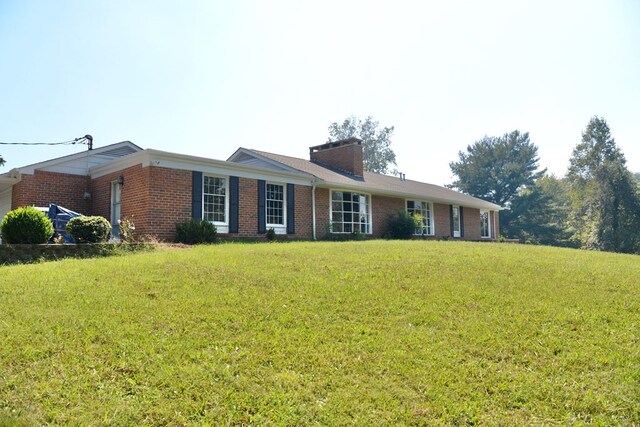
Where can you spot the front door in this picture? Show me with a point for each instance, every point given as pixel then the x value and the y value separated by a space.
pixel 116 202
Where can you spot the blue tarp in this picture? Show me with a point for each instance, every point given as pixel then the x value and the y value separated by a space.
pixel 60 216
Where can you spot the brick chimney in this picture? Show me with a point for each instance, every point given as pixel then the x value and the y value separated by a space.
pixel 344 155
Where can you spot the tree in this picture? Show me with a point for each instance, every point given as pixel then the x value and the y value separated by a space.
pixel 539 214
pixel 377 153
pixel 2 161
pixel 606 203
pixel 497 168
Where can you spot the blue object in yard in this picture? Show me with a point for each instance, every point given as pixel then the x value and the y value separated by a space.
pixel 60 216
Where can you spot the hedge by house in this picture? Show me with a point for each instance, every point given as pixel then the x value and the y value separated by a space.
pixel 89 229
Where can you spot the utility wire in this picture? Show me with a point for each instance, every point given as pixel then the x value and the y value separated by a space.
pixel 82 140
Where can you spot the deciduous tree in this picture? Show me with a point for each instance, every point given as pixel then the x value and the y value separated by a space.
pixel 376 143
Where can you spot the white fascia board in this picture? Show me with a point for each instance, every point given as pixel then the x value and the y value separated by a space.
pixel 10 180
pixel 119 164
pixel 30 169
pixel 481 204
pixel 185 162
pixel 168 160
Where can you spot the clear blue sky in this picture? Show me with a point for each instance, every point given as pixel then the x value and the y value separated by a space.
pixel 205 77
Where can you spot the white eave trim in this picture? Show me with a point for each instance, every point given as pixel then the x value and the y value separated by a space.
pixel 377 192
pixel 169 160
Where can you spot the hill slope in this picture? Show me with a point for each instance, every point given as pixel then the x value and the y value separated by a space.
pixel 379 333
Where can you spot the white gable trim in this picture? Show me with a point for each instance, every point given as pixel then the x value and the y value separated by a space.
pixel 271 164
pixel 69 164
pixel 168 160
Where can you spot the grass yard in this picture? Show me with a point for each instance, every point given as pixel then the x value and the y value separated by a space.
pixel 357 333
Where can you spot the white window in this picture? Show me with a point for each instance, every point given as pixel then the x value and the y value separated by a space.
pixel 455 215
pixel 425 211
pixel 485 225
pixel 350 212
pixel 215 200
pixel 275 205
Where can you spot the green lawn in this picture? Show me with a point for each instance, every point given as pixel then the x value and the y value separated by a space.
pixel 356 333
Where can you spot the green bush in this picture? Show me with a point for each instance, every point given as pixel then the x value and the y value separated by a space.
pixel 89 229
pixel 194 232
pixel 26 225
pixel 402 225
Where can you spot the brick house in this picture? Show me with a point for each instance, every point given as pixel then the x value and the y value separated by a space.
pixel 246 195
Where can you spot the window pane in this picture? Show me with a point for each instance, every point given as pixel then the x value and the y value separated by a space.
pixel 350 212
pixel 275 204
pixel 214 199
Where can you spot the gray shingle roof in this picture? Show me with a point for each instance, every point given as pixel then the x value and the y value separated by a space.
pixel 380 184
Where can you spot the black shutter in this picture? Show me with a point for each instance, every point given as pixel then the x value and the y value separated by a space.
pixel 291 205
pixel 196 195
pixel 451 220
pixel 262 199
pixel 461 221
pixel 234 195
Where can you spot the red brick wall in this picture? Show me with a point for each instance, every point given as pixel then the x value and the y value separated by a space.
pixel 303 212
pixel 154 198
pixel 248 208
pixel 346 157
pixel 495 225
pixel 170 201
pixel 471 219
pixel 382 208
pixel 322 213
pixel 442 220
pixel 43 188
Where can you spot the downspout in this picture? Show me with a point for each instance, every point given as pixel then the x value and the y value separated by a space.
pixel 313 208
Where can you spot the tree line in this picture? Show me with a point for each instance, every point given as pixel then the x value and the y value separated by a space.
pixel 595 205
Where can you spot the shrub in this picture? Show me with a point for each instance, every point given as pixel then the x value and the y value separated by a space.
pixel 89 229
pixel 195 232
pixel 271 234
pixel 26 225
pixel 402 225
pixel 127 228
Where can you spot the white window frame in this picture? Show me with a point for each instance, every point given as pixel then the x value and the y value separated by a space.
pixel 488 217
pixel 222 226
pixel 278 228
pixel 369 214
pixel 427 228
pixel 455 213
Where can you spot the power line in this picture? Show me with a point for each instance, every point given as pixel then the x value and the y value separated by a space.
pixel 82 140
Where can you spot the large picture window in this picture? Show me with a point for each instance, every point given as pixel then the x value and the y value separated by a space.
pixel 425 211
pixel 215 199
pixel 485 227
pixel 275 204
pixel 350 212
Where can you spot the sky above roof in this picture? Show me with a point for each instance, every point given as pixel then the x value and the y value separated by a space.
pixel 206 77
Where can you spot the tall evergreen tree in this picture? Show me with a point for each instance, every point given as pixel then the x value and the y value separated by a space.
pixel 497 168
pixel 605 198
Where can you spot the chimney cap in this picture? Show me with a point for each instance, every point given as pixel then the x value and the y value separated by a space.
pixel 335 144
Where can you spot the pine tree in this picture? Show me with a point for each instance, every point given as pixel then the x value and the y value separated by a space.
pixel 605 199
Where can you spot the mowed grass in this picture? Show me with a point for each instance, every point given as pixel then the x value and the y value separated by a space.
pixel 356 333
